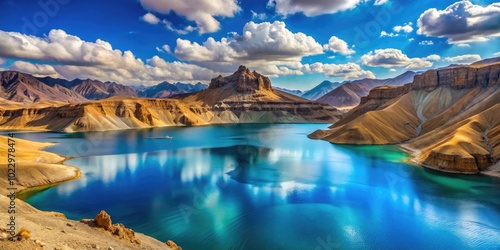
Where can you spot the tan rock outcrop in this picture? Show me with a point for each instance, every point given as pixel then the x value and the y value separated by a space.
pixel 103 220
pixel 243 81
pixel 448 116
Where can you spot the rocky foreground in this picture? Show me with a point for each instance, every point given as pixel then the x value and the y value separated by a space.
pixel 449 118
pixel 37 229
pixel 244 97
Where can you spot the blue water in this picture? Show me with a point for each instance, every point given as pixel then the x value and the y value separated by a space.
pixel 270 187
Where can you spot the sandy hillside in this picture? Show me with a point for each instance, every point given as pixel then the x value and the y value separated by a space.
pixel 244 97
pixel 447 117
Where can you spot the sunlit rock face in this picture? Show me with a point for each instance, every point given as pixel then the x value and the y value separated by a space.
pixel 448 116
pixel 243 81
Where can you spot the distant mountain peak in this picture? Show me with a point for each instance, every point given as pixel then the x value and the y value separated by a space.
pixel 243 81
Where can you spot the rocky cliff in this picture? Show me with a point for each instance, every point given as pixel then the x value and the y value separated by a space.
pixel 244 97
pixel 243 81
pixel 448 117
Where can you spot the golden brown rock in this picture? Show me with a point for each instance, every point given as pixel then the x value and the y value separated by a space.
pixel 172 245
pixel 103 220
pixel 448 117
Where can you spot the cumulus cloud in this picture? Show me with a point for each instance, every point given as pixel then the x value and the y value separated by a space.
pixel 495 54
pixel 312 8
pixel 202 12
pixel 433 57
pixel 392 70
pixel 463 59
pixel 259 45
pixel 338 45
pixel 426 42
pixel 461 22
pixel 259 16
pixel 348 71
pixel 35 69
pixel 380 2
pixel 71 57
pixel 463 45
pixel 389 58
pixel 150 18
pixel 406 28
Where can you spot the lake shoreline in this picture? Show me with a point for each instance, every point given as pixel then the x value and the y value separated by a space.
pixel 493 171
pixel 47 175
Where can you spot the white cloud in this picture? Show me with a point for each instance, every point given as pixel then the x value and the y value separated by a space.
pixel 35 69
pixel 426 42
pixel 312 8
pixel 164 49
pixel 184 31
pixel 71 57
pixel 380 2
pixel 383 34
pixel 494 54
pixel 202 12
pixel 259 16
pixel 338 45
pixel 389 58
pixel 463 45
pixel 463 59
pixel 331 57
pixel 433 57
pixel 406 28
pixel 461 22
pixel 411 39
pixel 261 46
pixel 150 18
pixel 392 70
pixel 2 61
pixel 348 71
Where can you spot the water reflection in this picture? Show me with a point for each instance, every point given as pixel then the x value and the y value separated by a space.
pixel 235 189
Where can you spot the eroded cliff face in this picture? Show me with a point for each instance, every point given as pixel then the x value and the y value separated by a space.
pixel 448 117
pixel 114 114
pixel 243 81
pixel 243 97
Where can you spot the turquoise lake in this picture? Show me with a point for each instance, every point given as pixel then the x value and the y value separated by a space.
pixel 259 186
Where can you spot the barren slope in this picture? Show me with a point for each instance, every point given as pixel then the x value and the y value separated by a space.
pixel 448 117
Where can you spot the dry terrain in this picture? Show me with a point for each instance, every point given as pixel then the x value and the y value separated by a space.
pixel 447 117
pixel 51 230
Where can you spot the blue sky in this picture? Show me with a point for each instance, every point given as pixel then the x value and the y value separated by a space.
pixel 298 43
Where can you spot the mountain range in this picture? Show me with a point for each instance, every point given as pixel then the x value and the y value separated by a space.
pixel 448 118
pixel 166 89
pixel 320 90
pixel 348 95
pixel 243 97
pixel 24 88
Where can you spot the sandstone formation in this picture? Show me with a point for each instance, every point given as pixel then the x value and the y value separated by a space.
pixel 448 117
pixel 103 221
pixel 243 81
pixel 244 97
